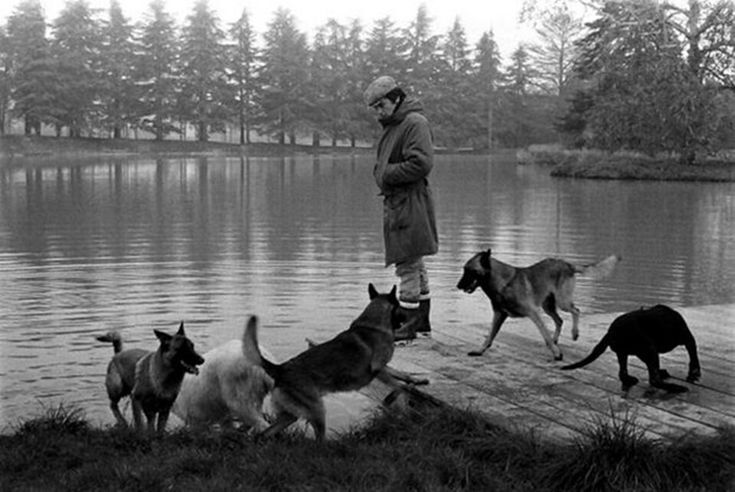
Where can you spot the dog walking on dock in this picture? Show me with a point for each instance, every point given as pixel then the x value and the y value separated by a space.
pixel 527 292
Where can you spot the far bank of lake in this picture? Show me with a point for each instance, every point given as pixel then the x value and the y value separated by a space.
pixel 592 164
pixel 583 164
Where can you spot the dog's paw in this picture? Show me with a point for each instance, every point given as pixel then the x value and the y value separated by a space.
pixel 674 388
pixel 693 376
pixel 629 382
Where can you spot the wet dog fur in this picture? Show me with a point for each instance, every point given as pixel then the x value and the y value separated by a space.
pixel 152 379
pixel 347 362
pixel 646 333
pixel 230 388
pixel 527 292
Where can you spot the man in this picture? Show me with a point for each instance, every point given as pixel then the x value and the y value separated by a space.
pixel 404 159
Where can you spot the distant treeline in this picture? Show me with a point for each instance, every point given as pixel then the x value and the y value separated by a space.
pixel 640 75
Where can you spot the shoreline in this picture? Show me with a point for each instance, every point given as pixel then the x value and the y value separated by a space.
pixel 15 147
pixel 590 164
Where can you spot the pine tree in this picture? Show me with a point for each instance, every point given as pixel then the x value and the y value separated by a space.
pixel 204 95
pixel 118 91
pixel 486 79
pixel 157 72
pixel 284 78
pixel 29 66
pixel 242 68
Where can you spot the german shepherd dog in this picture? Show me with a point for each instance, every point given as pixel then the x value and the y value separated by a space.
pixel 347 362
pixel 646 333
pixel 152 379
pixel 527 291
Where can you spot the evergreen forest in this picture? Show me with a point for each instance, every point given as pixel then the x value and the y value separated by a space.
pixel 642 75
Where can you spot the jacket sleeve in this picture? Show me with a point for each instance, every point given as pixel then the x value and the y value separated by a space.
pixel 417 153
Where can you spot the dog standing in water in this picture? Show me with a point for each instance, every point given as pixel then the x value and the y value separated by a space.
pixel 646 333
pixel 152 379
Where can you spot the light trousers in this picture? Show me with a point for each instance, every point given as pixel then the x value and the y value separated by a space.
pixel 413 282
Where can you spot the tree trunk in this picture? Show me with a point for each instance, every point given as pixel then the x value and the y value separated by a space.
pixel 489 127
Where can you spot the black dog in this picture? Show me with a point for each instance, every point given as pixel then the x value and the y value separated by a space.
pixel 646 333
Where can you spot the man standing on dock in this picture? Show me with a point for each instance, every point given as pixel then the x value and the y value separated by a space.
pixel 405 156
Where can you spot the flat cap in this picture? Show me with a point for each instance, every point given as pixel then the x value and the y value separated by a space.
pixel 378 88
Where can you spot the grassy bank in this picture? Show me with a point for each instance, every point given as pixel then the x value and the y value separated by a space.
pixel 423 449
pixel 17 146
pixel 602 165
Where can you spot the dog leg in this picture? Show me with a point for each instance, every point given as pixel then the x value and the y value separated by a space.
pixel 391 376
pixel 318 423
pixel 655 373
pixel 137 414
pixel 536 318
pixel 549 306
pixel 498 318
pixel 694 371
pixel 162 421
pixel 283 420
pixel 118 414
pixel 625 378
pixel 151 422
pixel 569 307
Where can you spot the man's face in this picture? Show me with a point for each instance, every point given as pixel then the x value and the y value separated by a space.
pixel 383 107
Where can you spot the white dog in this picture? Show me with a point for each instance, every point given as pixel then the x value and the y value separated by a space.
pixel 229 388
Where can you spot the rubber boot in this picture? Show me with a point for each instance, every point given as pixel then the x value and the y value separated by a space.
pixel 424 326
pixel 417 321
pixel 407 330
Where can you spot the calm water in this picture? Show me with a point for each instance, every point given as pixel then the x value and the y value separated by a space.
pixel 142 244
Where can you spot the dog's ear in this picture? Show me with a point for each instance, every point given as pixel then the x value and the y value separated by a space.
pixel 162 336
pixel 372 292
pixel 485 259
pixel 181 330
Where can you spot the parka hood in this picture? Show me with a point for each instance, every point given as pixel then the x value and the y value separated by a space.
pixel 409 105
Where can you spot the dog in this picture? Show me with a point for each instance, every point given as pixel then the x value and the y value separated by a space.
pixel 152 379
pixel 527 291
pixel 646 333
pixel 230 387
pixel 347 362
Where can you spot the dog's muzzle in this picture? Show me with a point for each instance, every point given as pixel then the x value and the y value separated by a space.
pixel 468 284
pixel 191 369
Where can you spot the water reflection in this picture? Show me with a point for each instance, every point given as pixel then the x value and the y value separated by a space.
pixel 141 244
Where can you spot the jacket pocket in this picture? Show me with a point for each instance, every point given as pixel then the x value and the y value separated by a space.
pixel 397 211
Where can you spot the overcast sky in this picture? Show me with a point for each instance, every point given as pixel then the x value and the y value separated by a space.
pixel 477 16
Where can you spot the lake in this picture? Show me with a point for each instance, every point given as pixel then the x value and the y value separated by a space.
pixel 137 244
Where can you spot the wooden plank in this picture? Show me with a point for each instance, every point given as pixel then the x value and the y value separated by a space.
pixel 514 384
pixel 516 377
pixel 710 405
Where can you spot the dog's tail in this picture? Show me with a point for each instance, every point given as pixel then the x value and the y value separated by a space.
pixel 112 337
pixel 596 352
pixel 598 270
pixel 251 349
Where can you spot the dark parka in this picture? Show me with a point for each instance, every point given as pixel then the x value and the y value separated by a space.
pixel 405 157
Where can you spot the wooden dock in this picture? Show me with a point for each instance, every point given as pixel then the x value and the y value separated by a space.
pixel 518 385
